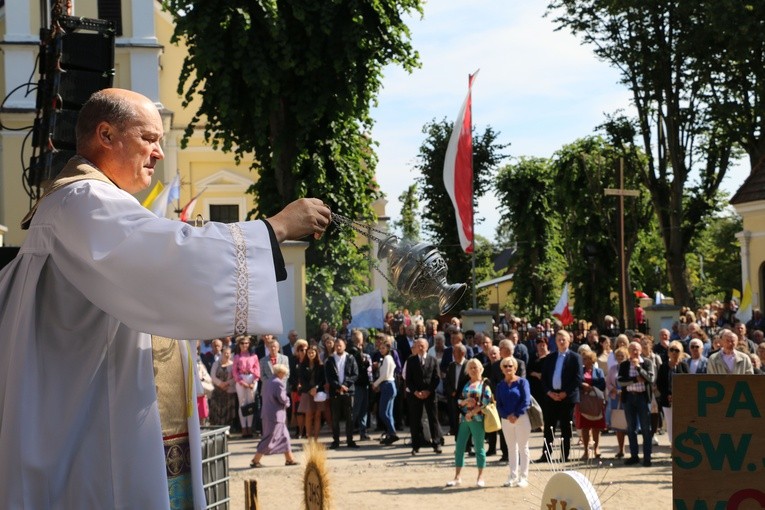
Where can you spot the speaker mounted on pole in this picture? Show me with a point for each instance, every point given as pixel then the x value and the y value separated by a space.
pixel 76 60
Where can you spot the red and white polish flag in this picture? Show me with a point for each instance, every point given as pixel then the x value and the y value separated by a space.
pixel 189 208
pixel 458 171
pixel 562 311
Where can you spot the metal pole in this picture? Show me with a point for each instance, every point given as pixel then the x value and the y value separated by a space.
pixel 496 287
pixel 44 14
pixel 472 174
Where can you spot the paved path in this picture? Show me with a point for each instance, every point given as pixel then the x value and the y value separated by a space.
pixel 376 477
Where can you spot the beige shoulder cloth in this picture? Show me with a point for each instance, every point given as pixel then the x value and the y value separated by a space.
pixel 77 169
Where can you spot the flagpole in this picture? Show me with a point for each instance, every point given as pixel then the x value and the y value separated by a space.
pixel 472 208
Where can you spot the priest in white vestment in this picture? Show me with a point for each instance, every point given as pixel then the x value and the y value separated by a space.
pixel 97 275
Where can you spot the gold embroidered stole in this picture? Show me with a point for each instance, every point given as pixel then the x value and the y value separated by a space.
pixel 172 401
pixel 171 391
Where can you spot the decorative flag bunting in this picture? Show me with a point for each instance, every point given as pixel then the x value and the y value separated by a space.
pixel 458 170
pixel 562 311
pixel 189 208
pixel 172 192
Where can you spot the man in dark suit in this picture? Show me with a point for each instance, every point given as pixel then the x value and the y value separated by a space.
pixel 456 377
pixel 456 338
pixel 520 351
pixel 485 342
pixel 288 348
pixel 405 342
pixel 562 376
pixel 421 376
pixel 341 371
pixel 636 377
pixel 404 345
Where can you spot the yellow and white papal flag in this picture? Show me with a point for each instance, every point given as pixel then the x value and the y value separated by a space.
pixel 744 313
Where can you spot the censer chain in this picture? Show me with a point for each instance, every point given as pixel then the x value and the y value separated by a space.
pixel 362 228
pixel 365 230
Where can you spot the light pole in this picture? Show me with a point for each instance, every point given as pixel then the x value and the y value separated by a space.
pixel 496 288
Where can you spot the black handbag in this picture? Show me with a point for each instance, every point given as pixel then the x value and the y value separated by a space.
pixel 249 409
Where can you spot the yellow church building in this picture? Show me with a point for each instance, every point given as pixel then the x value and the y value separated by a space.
pixel 146 62
pixel 749 203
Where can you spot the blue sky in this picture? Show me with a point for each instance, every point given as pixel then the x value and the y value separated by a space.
pixel 539 88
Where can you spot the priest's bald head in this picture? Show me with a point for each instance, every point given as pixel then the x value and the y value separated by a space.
pixel 120 132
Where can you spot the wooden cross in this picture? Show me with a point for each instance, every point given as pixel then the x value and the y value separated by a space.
pixel 621 193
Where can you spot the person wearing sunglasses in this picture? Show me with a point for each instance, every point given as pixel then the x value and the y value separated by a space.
pixel 513 400
pixel 697 363
pixel 675 365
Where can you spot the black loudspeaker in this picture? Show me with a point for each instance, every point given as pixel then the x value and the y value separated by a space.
pixel 76 60
pixel 7 254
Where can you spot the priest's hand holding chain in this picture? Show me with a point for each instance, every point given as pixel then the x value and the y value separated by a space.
pixel 300 218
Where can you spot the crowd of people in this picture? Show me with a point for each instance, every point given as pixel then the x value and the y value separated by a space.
pixel 431 373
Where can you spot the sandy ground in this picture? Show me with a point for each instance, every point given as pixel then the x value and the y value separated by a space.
pixel 375 477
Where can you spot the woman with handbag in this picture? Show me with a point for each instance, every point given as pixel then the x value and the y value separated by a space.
pixel 475 395
pixel 513 401
pixel 246 375
pixel 614 394
pixel 590 411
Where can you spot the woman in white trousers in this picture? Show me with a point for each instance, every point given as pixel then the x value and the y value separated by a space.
pixel 513 401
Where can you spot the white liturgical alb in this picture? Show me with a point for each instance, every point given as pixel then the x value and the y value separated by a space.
pixel 98 273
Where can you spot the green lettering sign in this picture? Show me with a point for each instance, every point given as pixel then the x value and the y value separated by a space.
pixel 742 400
pixel 710 392
pixel 681 504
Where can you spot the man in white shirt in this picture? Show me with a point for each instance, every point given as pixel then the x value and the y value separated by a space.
pixel 95 273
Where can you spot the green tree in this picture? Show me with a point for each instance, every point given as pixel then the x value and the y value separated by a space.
pixel 653 45
pixel 409 224
pixel 526 191
pixel 503 235
pixel 729 41
pixel 590 221
pixel 647 266
pixel 293 82
pixel 438 217
pixel 720 251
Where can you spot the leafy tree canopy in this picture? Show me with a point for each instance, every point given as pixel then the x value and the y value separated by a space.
pixel 292 82
pixel 526 192
pixel 409 223
pixel 590 220
pixel 655 46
